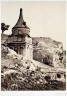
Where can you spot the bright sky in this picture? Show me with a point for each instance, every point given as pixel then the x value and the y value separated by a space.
pixel 45 19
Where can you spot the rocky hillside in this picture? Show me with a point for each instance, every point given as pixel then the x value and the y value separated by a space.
pixel 19 73
pixel 48 42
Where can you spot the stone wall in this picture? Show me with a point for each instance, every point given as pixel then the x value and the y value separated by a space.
pixel 20 31
pixel 22 45
pixel 13 38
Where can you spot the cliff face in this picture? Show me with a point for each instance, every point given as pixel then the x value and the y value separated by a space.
pixel 48 51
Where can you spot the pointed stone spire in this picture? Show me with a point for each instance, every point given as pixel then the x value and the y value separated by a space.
pixel 20 20
pixel 20 27
pixel 20 11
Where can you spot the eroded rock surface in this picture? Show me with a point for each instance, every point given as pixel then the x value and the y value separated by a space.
pixel 20 73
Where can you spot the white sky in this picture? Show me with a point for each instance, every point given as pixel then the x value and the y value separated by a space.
pixel 45 19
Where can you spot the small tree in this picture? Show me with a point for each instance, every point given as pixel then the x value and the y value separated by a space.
pixel 4 27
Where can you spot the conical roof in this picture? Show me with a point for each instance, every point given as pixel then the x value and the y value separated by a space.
pixel 20 27
pixel 21 22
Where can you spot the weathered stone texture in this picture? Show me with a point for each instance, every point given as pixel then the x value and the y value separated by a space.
pixel 48 51
pixel 20 40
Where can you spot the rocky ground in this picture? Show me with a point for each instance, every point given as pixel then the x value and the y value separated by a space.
pixel 19 73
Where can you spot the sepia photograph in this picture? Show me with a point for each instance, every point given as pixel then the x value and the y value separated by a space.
pixel 33 46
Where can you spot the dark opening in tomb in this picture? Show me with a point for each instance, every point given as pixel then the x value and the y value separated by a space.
pixel 64 75
pixel 58 75
pixel 46 60
pixel 47 78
